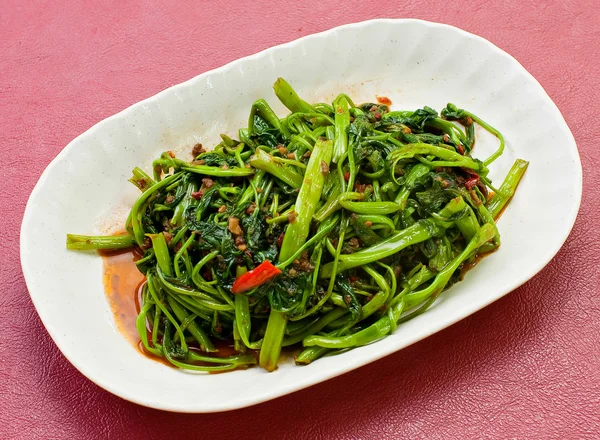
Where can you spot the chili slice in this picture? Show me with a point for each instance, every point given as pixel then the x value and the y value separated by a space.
pixel 255 277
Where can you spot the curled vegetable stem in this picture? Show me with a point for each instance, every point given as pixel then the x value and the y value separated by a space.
pixel 414 234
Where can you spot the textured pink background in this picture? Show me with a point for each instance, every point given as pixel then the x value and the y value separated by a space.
pixel 526 366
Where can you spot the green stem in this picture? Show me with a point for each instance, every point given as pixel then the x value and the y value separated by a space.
pixel 290 98
pixel 316 326
pixel 218 172
pixel 264 161
pixel 89 242
pixel 416 172
pixel 342 122
pixel 194 329
pixel 307 200
pixel 485 234
pixel 243 321
pixel 333 203
pixel 264 110
pixel 372 333
pixel 508 188
pixel 271 347
pixel 323 230
pixel 420 231
pixel 137 211
pixel 449 157
pixel 161 251
pixel 377 208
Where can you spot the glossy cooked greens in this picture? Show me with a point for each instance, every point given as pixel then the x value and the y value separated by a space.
pixel 327 228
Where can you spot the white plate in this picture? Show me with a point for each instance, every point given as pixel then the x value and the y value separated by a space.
pixel 413 62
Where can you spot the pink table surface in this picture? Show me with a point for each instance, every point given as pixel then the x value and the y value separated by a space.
pixel 526 366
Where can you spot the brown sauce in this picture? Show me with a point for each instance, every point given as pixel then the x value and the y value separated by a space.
pixel 490 195
pixel 123 284
pixel 471 264
pixel 502 211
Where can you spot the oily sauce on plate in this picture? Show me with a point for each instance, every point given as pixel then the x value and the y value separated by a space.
pixel 123 284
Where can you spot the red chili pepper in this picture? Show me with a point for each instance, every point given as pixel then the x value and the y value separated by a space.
pixel 472 182
pixel 255 277
pixel 347 176
pixel 384 100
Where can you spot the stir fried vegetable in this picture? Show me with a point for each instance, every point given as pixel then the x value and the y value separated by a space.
pixel 327 228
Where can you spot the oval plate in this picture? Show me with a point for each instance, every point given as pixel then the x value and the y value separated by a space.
pixel 415 63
